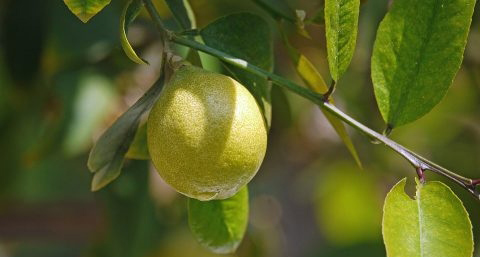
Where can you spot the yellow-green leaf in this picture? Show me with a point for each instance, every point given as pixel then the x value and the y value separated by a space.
pixel 433 224
pixel 130 11
pixel 86 9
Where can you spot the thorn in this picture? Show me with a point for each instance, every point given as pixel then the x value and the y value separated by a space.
pixel 475 182
pixel 388 130
pixel 421 174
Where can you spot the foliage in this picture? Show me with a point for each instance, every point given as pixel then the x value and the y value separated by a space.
pixel 65 84
pixel 418 51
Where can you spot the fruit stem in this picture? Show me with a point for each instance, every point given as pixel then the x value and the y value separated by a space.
pixel 417 161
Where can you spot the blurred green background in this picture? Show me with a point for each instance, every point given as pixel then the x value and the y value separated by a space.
pixel 62 83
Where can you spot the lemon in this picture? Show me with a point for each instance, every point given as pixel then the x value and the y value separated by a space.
pixel 206 134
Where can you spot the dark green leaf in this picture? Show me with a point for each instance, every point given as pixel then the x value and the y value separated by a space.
pixel 219 225
pixel 106 157
pixel 194 58
pixel 341 22
pixel 130 11
pixel 183 13
pixel 279 9
pixel 86 9
pixel 245 36
pixel 435 223
pixel 418 50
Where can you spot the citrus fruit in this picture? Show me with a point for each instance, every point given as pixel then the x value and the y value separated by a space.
pixel 206 134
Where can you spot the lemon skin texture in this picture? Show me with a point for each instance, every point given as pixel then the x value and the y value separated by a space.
pixel 206 134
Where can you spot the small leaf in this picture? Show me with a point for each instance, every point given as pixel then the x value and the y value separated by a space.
pixel 219 225
pixel 435 223
pixel 315 82
pixel 106 156
pixel 194 58
pixel 138 148
pixel 341 22
pixel 130 11
pixel 417 52
pixel 183 13
pixel 245 36
pixel 86 9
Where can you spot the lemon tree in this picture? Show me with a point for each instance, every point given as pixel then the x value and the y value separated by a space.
pixel 207 134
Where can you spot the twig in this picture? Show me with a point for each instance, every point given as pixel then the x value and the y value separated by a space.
pixel 417 161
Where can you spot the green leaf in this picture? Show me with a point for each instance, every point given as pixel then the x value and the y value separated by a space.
pixel 183 13
pixel 434 224
pixel 106 156
pixel 193 57
pixel 86 9
pixel 130 11
pixel 245 36
pixel 417 52
pixel 341 22
pixel 315 82
pixel 219 225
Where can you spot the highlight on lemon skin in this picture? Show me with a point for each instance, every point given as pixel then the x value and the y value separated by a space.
pixel 206 134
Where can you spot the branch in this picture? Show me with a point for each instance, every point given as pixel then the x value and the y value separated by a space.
pixel 417 161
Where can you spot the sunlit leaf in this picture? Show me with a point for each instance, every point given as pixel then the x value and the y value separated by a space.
pixel 106 157
pixel 183 13
pixel 130 11
pixel 341 22
pixel 219 225
pixel 248 37
pixel 434 223
pixel 418 50
pixel 86 9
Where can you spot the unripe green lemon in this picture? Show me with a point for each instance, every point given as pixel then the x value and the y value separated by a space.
pixel 206 134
